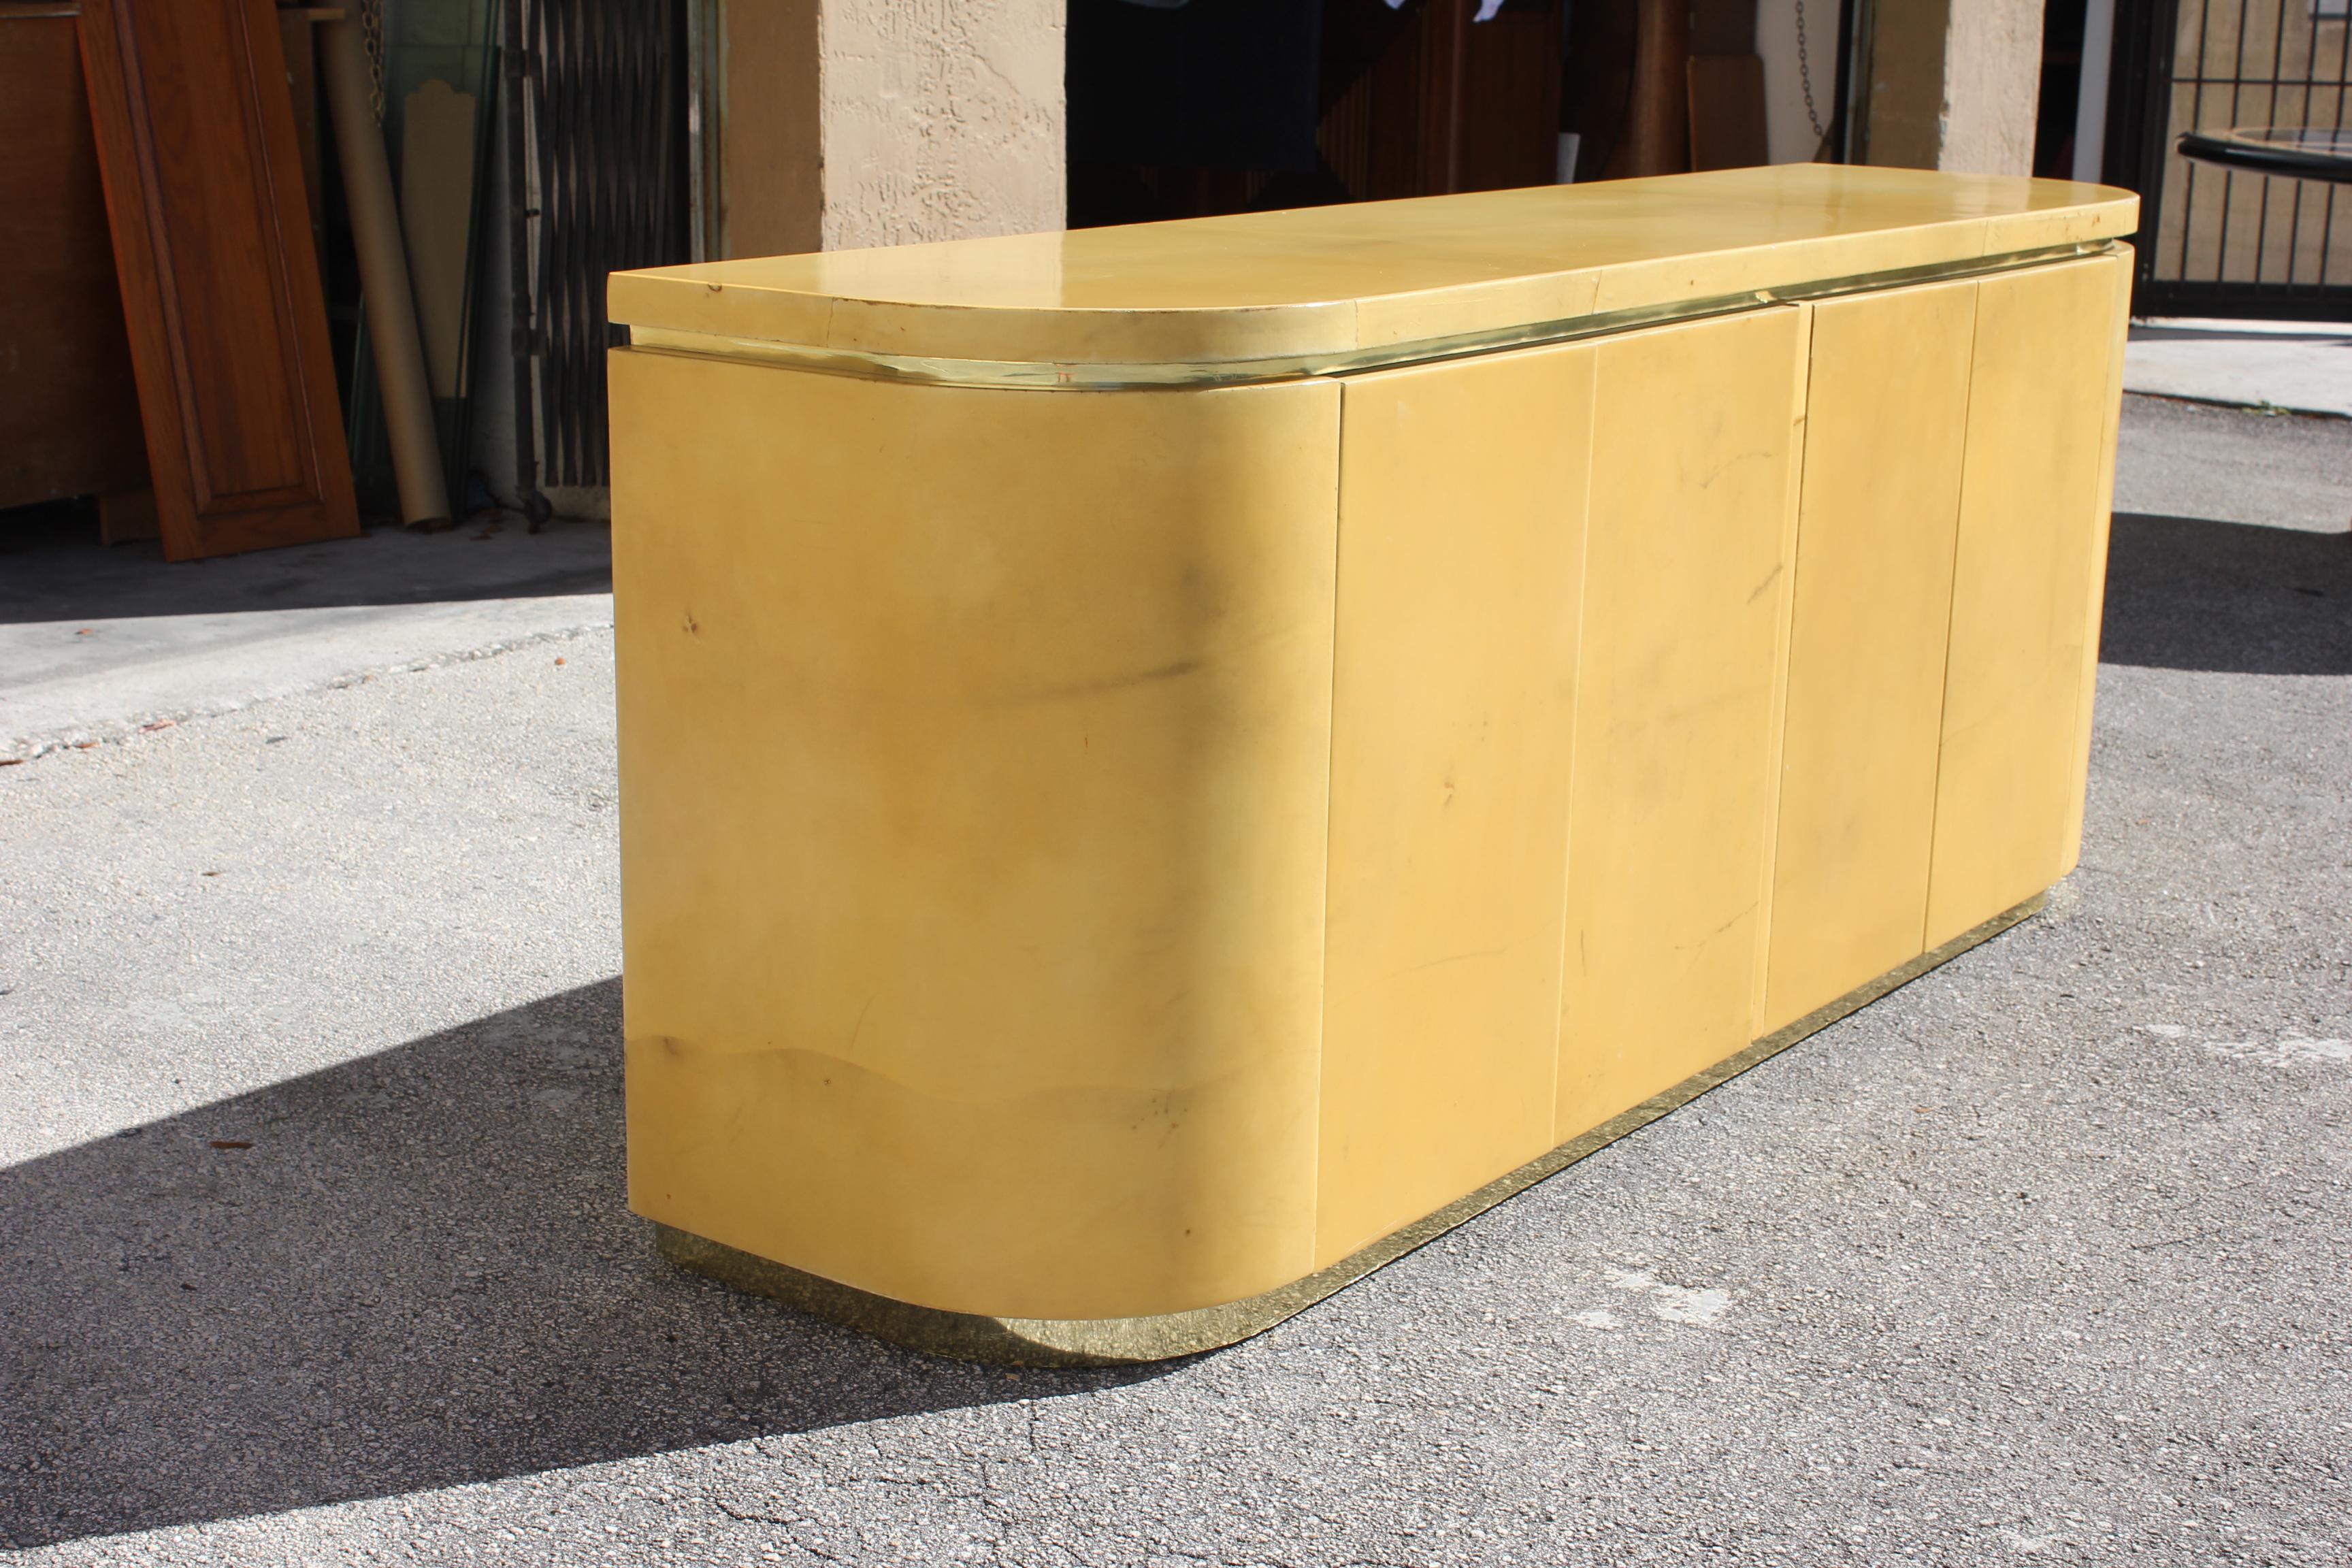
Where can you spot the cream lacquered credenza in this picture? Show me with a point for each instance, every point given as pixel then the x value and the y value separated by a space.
pixel 1163 766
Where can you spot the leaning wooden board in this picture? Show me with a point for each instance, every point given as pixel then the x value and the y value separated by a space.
pixel 220 283
pixel 68 408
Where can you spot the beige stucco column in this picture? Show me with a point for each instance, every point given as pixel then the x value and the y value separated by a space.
pixel 1949 84
pixel 831 124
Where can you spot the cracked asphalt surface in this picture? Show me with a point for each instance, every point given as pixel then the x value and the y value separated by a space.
pixel 316 1251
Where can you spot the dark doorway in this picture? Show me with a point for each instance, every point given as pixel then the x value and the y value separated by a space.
pixel 1203 107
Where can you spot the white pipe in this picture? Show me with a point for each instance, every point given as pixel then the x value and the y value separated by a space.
pixel 383 278
pixel 2091 94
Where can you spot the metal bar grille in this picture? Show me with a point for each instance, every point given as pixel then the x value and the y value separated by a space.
pixel 608 140
pixel 2226 242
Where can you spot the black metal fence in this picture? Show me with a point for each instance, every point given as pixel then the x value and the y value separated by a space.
pixel 603 105
pixel 2218 242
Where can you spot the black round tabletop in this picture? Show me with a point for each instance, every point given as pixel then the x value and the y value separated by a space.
pixel 2296 151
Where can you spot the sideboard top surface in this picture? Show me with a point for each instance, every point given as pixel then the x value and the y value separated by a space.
pixel 1343 280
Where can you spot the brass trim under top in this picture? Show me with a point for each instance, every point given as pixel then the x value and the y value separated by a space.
pixel 1111 376
pixel 1126 1342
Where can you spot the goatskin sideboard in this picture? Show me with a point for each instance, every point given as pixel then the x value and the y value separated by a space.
pixel 1162 767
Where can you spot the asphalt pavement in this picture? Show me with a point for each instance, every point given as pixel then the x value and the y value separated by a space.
pixel 316 1250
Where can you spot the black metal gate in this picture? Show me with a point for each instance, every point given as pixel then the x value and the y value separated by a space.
pixel 2212 241
pixel 601 162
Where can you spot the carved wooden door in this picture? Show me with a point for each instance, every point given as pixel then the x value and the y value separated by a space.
pixel 220 285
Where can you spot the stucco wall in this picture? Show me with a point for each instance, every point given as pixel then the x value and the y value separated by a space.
pixel 853 123
pixel 1953 85
pixel 1904 101
pixel 1992 84
pixel 942 118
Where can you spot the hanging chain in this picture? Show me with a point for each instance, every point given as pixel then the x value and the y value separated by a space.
pixel 371 15
pixel 1805 76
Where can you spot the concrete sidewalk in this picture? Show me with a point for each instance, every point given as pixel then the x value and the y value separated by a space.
pixel 318 1250
pixel 96 643
pixel 2289 366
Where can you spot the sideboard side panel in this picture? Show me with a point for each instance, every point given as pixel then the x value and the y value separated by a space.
pixel 1887 417
pixel 1462 498
pixel 974 758
pixel 2101 519
pixel 1680 678
pixel 2021 618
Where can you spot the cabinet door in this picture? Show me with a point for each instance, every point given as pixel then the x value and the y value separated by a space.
pixel 220 288
pixel 1887 419
pixel 2024 588
pixel 1462 495
pixel 1696 433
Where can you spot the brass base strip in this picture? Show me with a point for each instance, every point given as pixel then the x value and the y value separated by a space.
pixel 1116 1341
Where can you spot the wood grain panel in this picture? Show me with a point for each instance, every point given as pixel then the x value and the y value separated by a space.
pixel 1510 92
pixel 220 287
pixel 69 407
pixel 1429 100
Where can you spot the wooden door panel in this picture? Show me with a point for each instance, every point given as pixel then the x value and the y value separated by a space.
pixel 220 285
pixel 232 330
pixel 69 411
